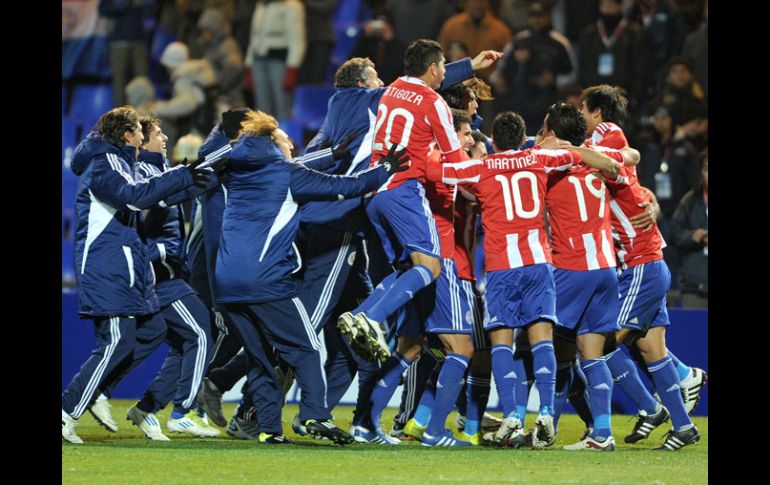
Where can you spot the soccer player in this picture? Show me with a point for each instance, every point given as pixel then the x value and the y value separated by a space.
pixel 643 284
pixel 510 186
pixel 115 289
pixel 255 262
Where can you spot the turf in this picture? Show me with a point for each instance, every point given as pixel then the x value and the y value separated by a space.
pixel 127 457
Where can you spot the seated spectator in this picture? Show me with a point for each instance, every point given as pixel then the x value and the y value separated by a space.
pixel 224 55
pixel 690 228
pixel 680 86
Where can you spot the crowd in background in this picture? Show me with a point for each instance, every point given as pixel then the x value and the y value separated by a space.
pixel 219 54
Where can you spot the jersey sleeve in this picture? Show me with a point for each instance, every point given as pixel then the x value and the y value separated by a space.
pixel 467 172
pixel 558 160
pixel 440 119
pixel 307 184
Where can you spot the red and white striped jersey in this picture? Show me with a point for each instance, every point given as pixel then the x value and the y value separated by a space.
pixel 510 187
pixel 632 246
pixel 413 115
pixel 579 212
pixel 441 198
pixel 465 238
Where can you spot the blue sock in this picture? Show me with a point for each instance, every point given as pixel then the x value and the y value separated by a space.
pixel 578 396
pixel 667 383
pixel 425 408
pixel 377 293
pixel 564 376
pixel 401 292
pixel 176 414
pixel 505 378
pixel 522 365
pixel 626 377
pixel 544 361
pixel 681 369
pixel 448 385
pixel 478 385
pixel 390 376
pixel 600 395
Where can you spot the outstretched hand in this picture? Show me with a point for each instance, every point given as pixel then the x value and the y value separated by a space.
pixel 485 59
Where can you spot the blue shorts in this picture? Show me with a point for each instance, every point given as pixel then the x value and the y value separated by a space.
pixel 443 306
pixel 404 222
pixel 515 298
pixel 587 301
pixel 480 336
pixel 643 296
pixel 409 323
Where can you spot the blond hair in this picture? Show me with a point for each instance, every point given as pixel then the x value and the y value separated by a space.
pixel 258 123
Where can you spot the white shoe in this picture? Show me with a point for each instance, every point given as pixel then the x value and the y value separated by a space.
pixel 544 433
pixel 147 422
pixel 101 410
pixel 373 330
pixel 590 444
pixel 68 424
pixel 510 433
pixel 193 425
pixel 691 388
pixel 488 422
pixel 346 325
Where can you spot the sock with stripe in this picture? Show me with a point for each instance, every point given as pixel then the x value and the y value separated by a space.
pixel 425 407
pixel 626 377
pixel 377 293
pixel 477 392
pixel 401 292
pixel 564 376
pixel 544 361
pixel 578 396
pixel 522 366
pixel 390 375
pixel 448 385
pixel 600 396
pixel 682 370
pixel 667 383
pixel 505 378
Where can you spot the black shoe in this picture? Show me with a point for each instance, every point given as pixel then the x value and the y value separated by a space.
pixel 274 439
pixel 645 425
pixel 327 429
pixel 679 439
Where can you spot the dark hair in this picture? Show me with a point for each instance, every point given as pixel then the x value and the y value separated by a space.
pixel 478 136
pixel 116 122
pixel 232 119
pixel 147 123
pixel 677 61
pixel 508 130
pixel 684 112
pixel 610 99
pixel 352 72
pixel 457 96
pixel 567 122
pixel 459 117
pixel 420 55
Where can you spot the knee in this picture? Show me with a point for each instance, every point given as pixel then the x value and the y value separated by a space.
pixel 433 264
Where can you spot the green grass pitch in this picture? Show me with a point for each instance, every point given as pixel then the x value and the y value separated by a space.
pixel 128 457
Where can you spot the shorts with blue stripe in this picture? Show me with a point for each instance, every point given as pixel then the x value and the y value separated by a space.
pixel 515 298
pixel 480 336
pixel 443 306
pixel 586 301
pixel 404 222
pixel 643 296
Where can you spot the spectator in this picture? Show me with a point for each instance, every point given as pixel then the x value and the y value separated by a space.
pixel 418 19
pixel 696 50
pixel 275 53
pixel 615 52
pixel 666 29
pixel 140 94
pixel 320 40
pixel 456 51
pixel 514 13
pixel 690 228
pixel 241 22
pixel 382 47
pixel 570 93
pixel 127 42
pixel 680 87
pixel 478 29
pixel 224 55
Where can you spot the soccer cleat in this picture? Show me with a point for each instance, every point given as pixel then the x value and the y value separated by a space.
pixel 679 439
pixel 510 433
pixel 297 427
pixel 691 388
pixel 327 429
pixel 488 422
pixel 102 413
pixel 474 439
pixel 191 424
pixel 414 429
pixel 646 424
pixel 274 439
pixel 443 439
pixel 398 433
pixel 210 400
pixel 590 444
pixel 378 437
pixel 68 424
pixel 346 324
pixel 243 429
pixel 375 332
pixel 544 434
pixel 147 422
